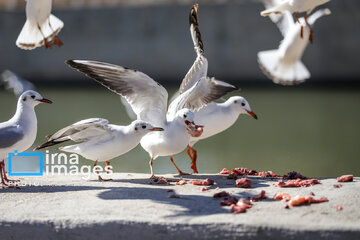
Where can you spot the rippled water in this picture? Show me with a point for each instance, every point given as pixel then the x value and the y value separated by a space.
pixel 310 130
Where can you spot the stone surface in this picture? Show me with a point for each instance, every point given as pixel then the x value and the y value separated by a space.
pixel 68 207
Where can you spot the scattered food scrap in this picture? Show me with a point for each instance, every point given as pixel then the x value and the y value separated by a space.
pixel 240 206
pixel 346 178
pixel 297 183
pixel 243 183
pixel 205 189
pixel 159 180
pixel 221 194
pixel 294 175
pixel 338 207
pixel 302 200
pixel 253 173
pixel 259 196
pixel 239 171
pixel 224 171
pixel 312 194
pixel 268 174
pixel 228 201
pixel 337 185
pixel 282 196
pixel 181 182
pixel 232 176
pixel 174 196
pixel 206 182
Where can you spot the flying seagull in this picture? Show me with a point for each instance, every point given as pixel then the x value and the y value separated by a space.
pixel 40 26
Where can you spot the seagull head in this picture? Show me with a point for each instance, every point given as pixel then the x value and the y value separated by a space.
pixel 32 98
pixel 241 105
pixel 141 127
pixel 186 118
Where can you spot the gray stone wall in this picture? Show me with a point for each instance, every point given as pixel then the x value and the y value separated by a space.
pixel 156 40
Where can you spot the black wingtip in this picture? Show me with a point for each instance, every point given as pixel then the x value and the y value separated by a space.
pixel 193 20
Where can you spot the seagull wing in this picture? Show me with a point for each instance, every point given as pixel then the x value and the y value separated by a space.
pixel 200 67
pixel 283 21
pixel 79 132
pixel 202 93
pixel 147 97
pixel 9 135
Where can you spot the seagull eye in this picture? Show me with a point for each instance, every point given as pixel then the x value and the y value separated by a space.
pixel 185 116
pixel 33 97
pixel 243 104
pixel 136 129
pixel 24 99
pixel 143 127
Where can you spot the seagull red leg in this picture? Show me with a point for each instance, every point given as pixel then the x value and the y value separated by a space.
pixel 46 43
pixel 296 16
pixel 311 36
pixel 178 170
pixel 151 168
pixel 56 40
pixel 3 183
pixel 193 158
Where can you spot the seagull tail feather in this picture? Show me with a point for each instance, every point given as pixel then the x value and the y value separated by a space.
pixel 282 72
pixel 31 37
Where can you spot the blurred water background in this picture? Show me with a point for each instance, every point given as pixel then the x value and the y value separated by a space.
pixel 312 128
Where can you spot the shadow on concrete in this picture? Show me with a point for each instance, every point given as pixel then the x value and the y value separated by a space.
pixel 50 189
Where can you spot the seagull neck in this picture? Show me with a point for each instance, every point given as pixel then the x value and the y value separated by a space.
pixel 24 112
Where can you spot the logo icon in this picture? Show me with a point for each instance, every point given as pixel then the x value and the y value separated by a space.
pixel 25 164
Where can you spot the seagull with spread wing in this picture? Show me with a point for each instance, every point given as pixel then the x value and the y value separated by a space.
pixel 40 26
pixel 19 133
pixel 295 6
pixel 216 117
pixel 148 100
pixel 283 65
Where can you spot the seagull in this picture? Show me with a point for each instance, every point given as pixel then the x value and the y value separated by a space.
pixel 12 81
pixel 295 6
pixel 216 117
pixel 40 26
pixel 98 140
pixel 148 100
pixel 19 133
pixel 283 65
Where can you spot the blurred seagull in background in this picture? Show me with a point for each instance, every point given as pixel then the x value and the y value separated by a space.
pixel 295 6
pixel 40 26
pixel 283 65
pixel 19 133
pixel 148 100
pixel 100 141
pixel 13 82
pixel 216 117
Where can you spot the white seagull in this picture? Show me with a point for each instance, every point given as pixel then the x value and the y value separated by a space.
pixel 19 133
pixel 295 6
pixel 283 65
pixel 98 140
pixel 148 100
pixel 40 26
pixel 216 117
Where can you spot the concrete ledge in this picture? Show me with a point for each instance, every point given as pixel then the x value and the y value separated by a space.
pixel 64 207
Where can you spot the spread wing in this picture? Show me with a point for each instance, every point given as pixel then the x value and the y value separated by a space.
pixel 200 67
pixel 79 132
pixel 202 93
pixel 283 21
pixel 147 97
pixel 10 135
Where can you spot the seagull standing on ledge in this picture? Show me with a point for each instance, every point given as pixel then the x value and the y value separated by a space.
pixel 19 133
pixel 40 26
pixel 216 117
pixel 99 140
pixel 148 100
pixel 284 65
pixel 295 6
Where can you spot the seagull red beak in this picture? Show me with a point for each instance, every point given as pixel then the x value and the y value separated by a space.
pixel 252 114
pixel 44 100
pixel 156 129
